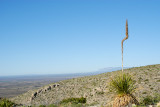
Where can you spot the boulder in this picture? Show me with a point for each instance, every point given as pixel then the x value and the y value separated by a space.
pixel 34 94
pixel 47 88
pixel 54 86
pixel 39 90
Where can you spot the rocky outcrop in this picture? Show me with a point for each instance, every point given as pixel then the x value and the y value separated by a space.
pixel 54 85
pixel 45 89
pixel 39 90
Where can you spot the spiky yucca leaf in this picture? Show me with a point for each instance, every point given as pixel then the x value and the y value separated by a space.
pixel 122 84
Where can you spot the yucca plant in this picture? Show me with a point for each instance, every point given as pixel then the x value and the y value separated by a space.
pixel 124 86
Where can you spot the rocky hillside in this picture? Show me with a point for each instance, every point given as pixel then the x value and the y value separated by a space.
pixel 94 88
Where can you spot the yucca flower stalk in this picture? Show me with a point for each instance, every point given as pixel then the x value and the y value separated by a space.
pixel 123 41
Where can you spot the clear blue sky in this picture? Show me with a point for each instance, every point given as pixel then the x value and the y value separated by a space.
pixel 70 36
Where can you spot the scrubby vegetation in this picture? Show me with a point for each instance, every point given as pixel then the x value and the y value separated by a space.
pixel 95 88
pixel 150 100
pixel 74 100
pixel 51 105
pixel 6 103
pixel 69 102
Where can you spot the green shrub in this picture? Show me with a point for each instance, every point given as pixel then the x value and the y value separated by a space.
pixel 6 103
pixel 74 100
pixel 100 92
pixel 77 105
pixel 71 105
pixel 52 105
pixel 151 88
pixel 146 80
pixel 144 93
pixel 158 80
pixel 156 98
pixel 149 100
pixel 42 106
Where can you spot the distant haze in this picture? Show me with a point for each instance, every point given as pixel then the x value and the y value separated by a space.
pixel 10 84
pixel 70 75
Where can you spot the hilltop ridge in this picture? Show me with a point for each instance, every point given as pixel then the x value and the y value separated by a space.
pixel 93 88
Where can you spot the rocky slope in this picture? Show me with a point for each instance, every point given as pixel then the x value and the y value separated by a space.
pixel 94 88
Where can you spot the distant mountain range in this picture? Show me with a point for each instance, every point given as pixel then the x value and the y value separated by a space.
pixel 23 83
pixel 41 76
pixel 108 69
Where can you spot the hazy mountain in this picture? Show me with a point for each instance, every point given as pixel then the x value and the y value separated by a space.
pixel 108 69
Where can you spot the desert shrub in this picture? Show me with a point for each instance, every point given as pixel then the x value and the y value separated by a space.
pixel 152 88
pixel 100 92
pixel 149 100
pixel 6 103
pixel 146 80
pixel 52 105
pixel 144 93
pixel 156 98
pixel 77 105
pixel 158 80
pixel 42 106
pixel 74 100
pixel 71 105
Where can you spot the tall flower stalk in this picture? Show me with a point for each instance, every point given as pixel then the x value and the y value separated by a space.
pixel 123 41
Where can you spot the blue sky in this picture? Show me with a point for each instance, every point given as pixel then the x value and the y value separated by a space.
pixel 70 36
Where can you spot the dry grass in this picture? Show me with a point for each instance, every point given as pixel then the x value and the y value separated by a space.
pixel 122 101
